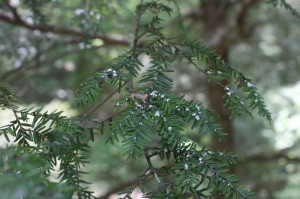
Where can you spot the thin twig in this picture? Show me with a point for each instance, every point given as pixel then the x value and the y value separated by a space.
pixel 101 103
pixel 152 170
pixel 140 181
pixel 119 187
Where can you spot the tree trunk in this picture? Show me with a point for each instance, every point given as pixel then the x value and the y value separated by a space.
pixel 216 25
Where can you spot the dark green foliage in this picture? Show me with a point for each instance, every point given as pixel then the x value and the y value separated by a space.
pixel 151 121
pixel 223 71
pixel 150 112
pixel 26 175
pixel 128 65
pixel 46 139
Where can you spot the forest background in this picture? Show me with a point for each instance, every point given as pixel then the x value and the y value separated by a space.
pixel 46 65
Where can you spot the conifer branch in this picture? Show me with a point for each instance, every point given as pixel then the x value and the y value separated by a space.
pixel 150 121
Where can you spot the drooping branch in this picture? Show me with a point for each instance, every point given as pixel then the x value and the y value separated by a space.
pixel 17 20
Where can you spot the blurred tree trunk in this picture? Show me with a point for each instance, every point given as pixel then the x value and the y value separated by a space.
pixel 215 20
pixel 224 25
pixel 222 29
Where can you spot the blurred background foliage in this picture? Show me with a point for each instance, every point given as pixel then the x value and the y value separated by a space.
pixel 46 67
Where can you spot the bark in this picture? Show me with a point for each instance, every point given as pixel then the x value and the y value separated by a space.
pixel 216 24
pixel 224 26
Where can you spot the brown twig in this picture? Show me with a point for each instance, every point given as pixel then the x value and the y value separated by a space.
pixel 153 170
pixel 119 187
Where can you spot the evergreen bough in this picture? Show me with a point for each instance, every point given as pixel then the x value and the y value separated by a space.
pixel 150 121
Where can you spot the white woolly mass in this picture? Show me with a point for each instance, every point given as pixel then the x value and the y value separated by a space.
pixel 186 166
pixel 79 11
pixel 200 160
pixel 157 114
pixel 115 73
pixel 153 93
pixel 249 85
